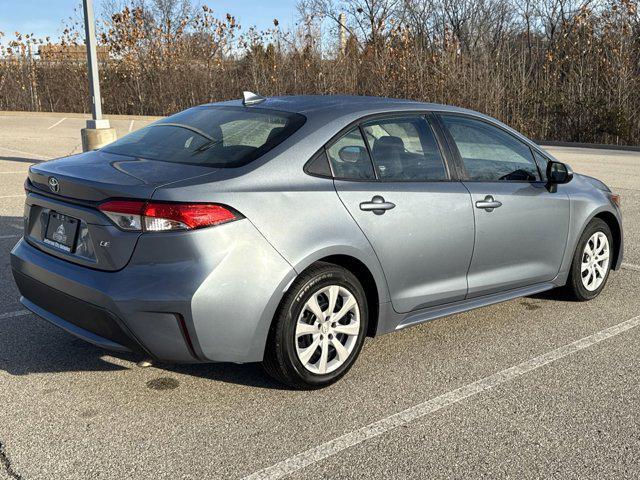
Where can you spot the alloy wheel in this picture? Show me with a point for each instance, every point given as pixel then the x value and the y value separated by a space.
pixel 595 261
pixel 327 329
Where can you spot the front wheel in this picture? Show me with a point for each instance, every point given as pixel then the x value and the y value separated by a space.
pixel 319 329
pixel 591 262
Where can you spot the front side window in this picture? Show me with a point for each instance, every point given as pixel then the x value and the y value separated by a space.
pixel 223 137
pixel 405 149
pixel 542 163
pixel 349 157
pixel 490 154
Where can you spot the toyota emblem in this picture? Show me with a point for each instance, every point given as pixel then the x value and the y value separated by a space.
pixel 54 185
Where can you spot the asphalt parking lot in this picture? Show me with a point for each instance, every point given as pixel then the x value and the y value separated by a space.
pixel 532 388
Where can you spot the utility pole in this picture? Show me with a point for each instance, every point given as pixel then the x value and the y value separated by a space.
pixel 98 131
pixel 342 19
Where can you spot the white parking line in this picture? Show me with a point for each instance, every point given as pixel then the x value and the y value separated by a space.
pixel 12 196
pixel 57 123
pixel 19 313
pixel 131 125
pixel 332 447
pixel 631 266
pixel 4 237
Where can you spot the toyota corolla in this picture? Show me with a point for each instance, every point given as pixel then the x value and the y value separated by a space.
pixel 285 230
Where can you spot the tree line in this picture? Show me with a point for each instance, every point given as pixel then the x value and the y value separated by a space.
pixel 555 69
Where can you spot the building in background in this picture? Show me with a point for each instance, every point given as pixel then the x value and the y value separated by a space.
pixel 69 53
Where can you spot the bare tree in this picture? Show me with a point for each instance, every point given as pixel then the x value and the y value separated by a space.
pixel 171 14
pixel 367 20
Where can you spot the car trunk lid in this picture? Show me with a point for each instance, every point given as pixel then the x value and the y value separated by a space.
pixel 95 176
pixel 61 214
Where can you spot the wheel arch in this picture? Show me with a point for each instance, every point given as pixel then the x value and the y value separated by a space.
pixel 616 232
pixel 364 266
pixel 584 208
pixel 366 278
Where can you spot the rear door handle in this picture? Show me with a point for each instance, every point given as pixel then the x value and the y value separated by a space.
pixel 488 204
pixel 377 205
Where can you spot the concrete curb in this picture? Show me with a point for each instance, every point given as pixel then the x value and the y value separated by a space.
pixel 595 146
pixel 12 113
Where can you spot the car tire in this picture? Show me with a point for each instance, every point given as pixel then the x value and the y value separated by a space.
pixel 591 263
pixel 290 356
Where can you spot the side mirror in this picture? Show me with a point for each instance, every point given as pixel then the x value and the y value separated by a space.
pixel 558 173
pixel 350 154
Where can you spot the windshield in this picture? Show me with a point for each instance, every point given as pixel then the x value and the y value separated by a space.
pixel 213 136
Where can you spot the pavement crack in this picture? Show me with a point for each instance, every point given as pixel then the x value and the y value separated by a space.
pixel 5 461
pixel 74 149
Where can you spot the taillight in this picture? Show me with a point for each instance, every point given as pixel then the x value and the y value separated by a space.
pixel 161 217
pixel 126 214
pixel 184 216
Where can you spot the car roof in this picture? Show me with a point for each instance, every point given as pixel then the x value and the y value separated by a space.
pixel 337 111
pixel 310 105
pixel 327 115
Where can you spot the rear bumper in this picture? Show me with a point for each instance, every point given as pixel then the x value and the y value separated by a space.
pixel 88 322
pixel 201 296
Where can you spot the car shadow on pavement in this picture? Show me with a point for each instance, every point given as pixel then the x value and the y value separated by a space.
pixel 556 295
pixel 21 159
pixel 250 374
pixel 12 228
pixel 30 345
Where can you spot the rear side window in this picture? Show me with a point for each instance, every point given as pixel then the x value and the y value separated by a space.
pixel 223 137
pixel 349 157
pixel 405 149
pixel 489 154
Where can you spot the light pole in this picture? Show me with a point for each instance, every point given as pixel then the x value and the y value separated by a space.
pixel 98 131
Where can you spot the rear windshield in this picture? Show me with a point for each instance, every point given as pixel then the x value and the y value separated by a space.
pixel 215 136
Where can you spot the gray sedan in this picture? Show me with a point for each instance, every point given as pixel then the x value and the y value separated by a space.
pixel 285 230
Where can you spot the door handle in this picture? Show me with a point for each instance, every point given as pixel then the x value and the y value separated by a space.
pixel 377 205
pixel 488 204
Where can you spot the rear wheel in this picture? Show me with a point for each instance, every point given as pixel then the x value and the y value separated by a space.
pixel 319 329
pixel 591 262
